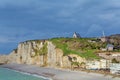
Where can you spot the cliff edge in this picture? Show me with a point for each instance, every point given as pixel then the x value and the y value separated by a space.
pixel 43 53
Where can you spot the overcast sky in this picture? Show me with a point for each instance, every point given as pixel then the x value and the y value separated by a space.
pixel 22 20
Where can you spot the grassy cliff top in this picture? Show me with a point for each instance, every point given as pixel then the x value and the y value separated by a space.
pixel 84 47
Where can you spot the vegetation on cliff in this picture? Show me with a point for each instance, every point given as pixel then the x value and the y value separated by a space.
pixel 40 51
pixel 80 46
pixel 84 47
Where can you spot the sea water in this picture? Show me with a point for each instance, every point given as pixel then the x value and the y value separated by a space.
pixel 7 74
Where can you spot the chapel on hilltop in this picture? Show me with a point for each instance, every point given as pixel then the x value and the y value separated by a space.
pixel 76 35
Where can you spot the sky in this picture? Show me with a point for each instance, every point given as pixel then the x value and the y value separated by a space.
pixel 22 20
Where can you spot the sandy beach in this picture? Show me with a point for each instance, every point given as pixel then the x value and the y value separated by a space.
pixel 57 74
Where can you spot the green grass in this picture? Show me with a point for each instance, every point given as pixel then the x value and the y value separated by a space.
pixel 71 46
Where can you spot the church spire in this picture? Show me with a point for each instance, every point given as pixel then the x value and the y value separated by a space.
pixel 103 34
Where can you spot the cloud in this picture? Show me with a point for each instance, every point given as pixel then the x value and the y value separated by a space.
pixel 5 3
pixel 22 20
pixel 4 40
pixel 108 16
pixel 94 30
pixel 64 12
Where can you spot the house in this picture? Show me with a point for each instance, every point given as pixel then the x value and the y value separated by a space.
pixel 103 49
pixel 110 55
pixel 96 65
pixel 92 41
pixel 115 68
pixel 76 35
pixel 116 55
pixel 92 65
pixel 109 47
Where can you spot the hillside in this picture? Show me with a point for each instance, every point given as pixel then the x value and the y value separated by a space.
pixel 115 40
pixel 117 36
pixel 84 47
pixel 56 52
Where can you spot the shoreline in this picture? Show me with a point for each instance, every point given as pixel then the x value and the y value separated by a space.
pixel 26 73
pixel 29 73
pixel 57 74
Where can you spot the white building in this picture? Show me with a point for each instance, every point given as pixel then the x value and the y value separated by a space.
pixel 92 65
pixel 110 47
pixel 76 35
pixel 116 55
pixel 95 64
pixel 115 68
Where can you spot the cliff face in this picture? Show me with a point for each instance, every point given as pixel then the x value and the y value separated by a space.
pixel 3 59
pixel 41 53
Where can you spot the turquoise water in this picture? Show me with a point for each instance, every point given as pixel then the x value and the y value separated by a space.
pixel 6 74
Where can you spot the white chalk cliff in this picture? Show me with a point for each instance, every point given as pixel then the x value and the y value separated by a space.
pixel 41 53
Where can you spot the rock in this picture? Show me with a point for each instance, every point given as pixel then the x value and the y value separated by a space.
pixel 41 53
pixel 3 59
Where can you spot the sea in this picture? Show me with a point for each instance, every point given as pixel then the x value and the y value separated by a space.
pixel 8 74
